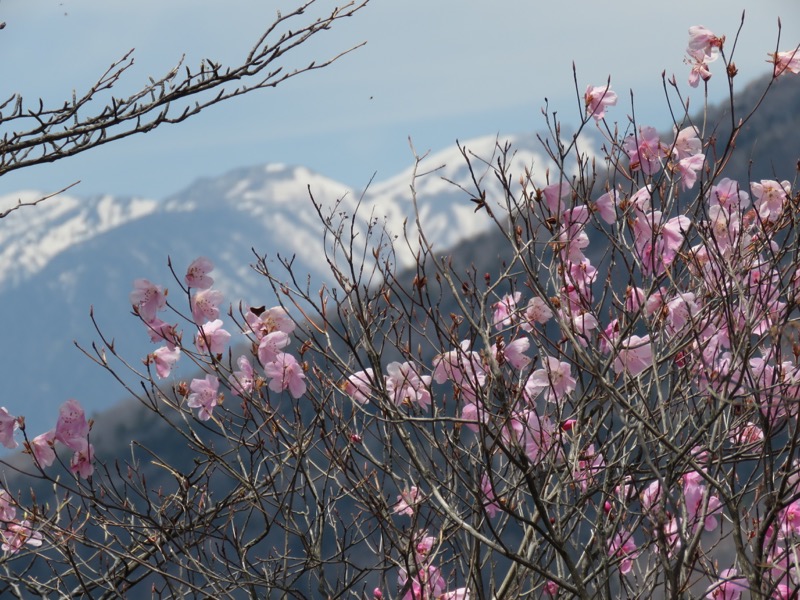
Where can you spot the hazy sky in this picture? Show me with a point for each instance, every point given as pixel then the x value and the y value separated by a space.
pixel 436 70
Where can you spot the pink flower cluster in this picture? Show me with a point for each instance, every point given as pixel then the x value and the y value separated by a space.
pixel 427 584
pixel 15 533
pixel 272 328
pixel 597 99
pixel 204 396
pixel 684 268
pixel 518 387
pixel 148 299
pixel 403 384
pixel 72 430
pixel 703 48
pixel 426 581
pixel 407 501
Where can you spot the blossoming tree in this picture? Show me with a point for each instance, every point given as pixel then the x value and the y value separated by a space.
pixel 613 414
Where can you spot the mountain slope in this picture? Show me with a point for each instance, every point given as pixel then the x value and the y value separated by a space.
pixel 68 254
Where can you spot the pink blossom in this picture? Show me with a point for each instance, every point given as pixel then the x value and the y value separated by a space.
pixel 18 534
pixel 769 394
pixel 8 425
pixel 551 589
pixel 699 63
pixel 513 353
pixel 461 366
pixel 703 49
pixel 625 492
pixel 688 168
pixel 285 373
pixel 472 414
pixel 576 295
pixel 606 206
pixel 681 311
pixel 597 99
pixel 687 143
pixel 783 592
pixel 622 547
pixel 197 274
pixel 165 359
pixel 572 238
pixel 205 305
pixel 582 324
pixel 407 502
pixel 746 434
pixel 657 243
pixel 701 506
pixel 650 496
pixel 212 338
pixel 42 448
pixel 642 199
pixel 72 428
pixel 161 331
pixel 703 40
pixel 243 380
pixel 577 216
pixel 147 299
pixel 789 519
pixel 537 311
pixel 729 586
pixel 423 544
pixel 554 195
pixel 671 533
pixel 271 345
pixel 263 322
pixel 504 310
pixel 771 197
pixel 609 337
pixel 634 299
pixel 645 150
pixel 490 504
pixel 405 386
pixel 786 61
pixel 766 306
pixel 555 378
pixel 590 464
pixel 783 563
pixel 727 194
pixel 672 234
pixel 8 510
pixel 81 462
pixel 634 355
pixel 426 584
pixel 204 396
pixel 457 594
pixel 359 385
pixel 535 434
pixel 723 229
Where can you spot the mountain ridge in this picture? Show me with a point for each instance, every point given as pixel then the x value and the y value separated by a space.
pixel 68 254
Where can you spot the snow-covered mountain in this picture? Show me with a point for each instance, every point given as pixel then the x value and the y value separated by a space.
pixel 67 254
pixel 30 238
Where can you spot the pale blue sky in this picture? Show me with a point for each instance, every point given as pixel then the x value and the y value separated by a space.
pixel 433 69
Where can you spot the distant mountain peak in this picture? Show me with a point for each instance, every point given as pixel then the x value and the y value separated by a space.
pixel 32 236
